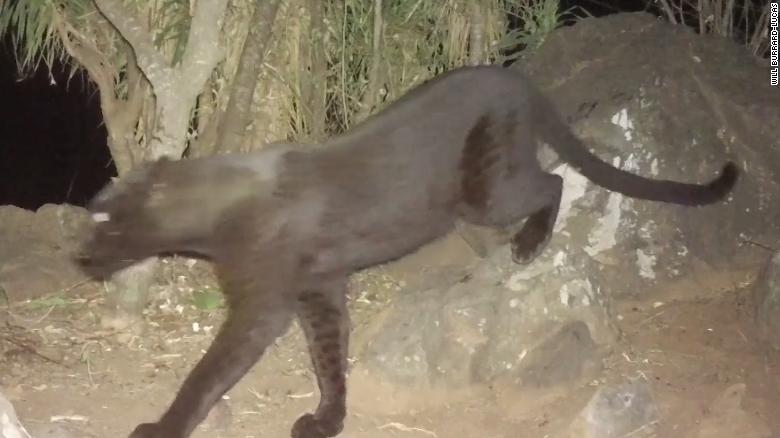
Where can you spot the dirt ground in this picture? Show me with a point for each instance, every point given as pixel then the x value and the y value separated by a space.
pixel 694 343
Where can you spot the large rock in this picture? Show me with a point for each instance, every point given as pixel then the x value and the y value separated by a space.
pixel 548 323
pixel 528 329
pixel 767 301
pixel 659 100
pixel 36 249
pixel 10 426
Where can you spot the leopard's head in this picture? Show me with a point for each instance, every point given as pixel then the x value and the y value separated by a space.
pixel 124 226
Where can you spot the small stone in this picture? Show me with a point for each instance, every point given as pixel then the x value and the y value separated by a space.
pixel 618 411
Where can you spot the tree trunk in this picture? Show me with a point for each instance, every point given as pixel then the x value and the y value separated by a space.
pixel 231 131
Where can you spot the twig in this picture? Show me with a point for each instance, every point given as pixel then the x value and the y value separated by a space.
pixel 34 352
pixel 405 428
pixel 45 315
pixel 758 244
pixel 85 355
pixel 650 318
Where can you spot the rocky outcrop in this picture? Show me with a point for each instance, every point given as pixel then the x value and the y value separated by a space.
pixel 36 248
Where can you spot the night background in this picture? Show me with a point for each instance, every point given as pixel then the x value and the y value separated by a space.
pixel 52 142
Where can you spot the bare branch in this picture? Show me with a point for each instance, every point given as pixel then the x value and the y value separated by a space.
pixel 127 120
pixel 203 50
pixel 315 89
pixel 667 9
pixel 477 33
pixel 150 60
pixel 92 61
pixel 371 96
pixel 759 41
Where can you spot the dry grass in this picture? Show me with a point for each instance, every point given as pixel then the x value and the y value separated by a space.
pixel 745 21
pixel 420 39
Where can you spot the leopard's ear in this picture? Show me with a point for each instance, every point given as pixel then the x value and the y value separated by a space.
pixel 122 190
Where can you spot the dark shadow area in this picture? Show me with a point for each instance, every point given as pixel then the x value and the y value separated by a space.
pixel 52 141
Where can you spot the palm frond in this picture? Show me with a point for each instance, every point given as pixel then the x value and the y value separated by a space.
pixel 30 25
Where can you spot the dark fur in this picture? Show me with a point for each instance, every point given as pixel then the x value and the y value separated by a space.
pixel 285 226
